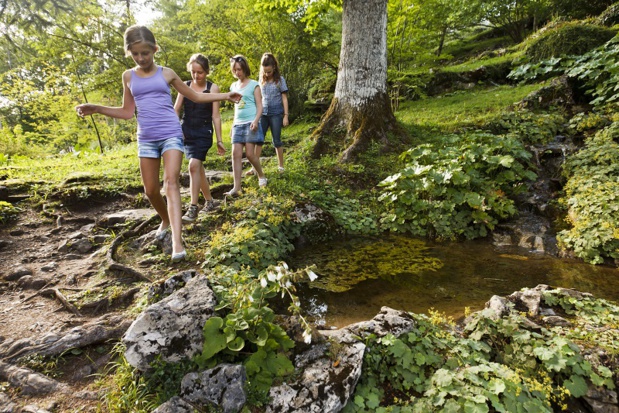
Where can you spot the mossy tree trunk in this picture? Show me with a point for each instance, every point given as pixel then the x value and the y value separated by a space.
pixel 360 112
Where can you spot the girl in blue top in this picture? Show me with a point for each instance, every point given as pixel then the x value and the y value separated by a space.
pixel 275 105
pixel 246 130
pixel 147 87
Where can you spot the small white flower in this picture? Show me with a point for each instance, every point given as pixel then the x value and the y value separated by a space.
pixel 284 265
pixel 288 284
pixel 263 282
pixel 271 276
pixel 307 336
pixel 251 299
pixel 312 275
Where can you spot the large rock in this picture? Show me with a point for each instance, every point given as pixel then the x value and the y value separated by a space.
pixel 331 368
pixel 171 328
pixel 221 386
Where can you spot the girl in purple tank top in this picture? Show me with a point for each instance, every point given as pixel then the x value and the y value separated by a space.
pixel 147 88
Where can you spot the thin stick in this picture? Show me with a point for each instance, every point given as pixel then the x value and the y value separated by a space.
pixel 92 119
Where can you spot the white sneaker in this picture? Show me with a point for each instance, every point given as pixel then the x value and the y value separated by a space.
pixel 262 182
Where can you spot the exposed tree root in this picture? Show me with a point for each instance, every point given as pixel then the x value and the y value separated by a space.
pixel 56 292
pixel 112 264
pixel 107 302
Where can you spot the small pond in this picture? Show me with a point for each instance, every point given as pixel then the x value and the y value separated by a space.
pixel 359 276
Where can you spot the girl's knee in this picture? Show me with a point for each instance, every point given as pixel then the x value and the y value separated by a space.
pixel 194 166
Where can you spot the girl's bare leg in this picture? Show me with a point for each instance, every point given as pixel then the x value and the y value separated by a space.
pixel 196 177
pixel 250 152
pixel 149 169
pixel 280 156
pixel 204 186
pixel 237 166
pixel 172 160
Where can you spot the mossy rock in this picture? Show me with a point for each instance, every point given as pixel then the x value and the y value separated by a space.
pixel 610 16
pixel 572 38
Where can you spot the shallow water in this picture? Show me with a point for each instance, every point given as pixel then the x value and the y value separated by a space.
pixel 359 276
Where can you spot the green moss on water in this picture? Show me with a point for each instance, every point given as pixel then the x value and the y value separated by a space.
pixel 344 264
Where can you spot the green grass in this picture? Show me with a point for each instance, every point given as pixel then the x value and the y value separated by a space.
pixel 471 108
pixel 476 64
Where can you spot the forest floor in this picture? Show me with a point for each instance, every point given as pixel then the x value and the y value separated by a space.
pixel 34 262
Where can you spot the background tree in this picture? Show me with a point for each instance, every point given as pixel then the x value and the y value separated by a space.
pixel 360 112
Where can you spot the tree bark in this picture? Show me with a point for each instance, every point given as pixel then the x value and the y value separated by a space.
pixel 360 112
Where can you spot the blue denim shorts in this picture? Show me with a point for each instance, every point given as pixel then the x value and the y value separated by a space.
pixel 243 134
pixel 275 123
pixel 155 149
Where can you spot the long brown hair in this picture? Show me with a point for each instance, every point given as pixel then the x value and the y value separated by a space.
pixel 200 59
pixel 269 60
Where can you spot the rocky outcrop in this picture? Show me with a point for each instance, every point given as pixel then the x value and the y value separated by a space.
pixel 172 327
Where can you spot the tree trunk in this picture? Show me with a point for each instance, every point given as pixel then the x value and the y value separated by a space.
pixel 360 112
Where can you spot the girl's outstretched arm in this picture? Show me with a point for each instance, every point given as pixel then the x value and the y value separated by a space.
pixel 175 81
pixel 125 112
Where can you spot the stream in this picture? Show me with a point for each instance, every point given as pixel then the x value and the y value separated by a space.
pixel 358 276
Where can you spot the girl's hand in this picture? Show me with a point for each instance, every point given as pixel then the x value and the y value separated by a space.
pixel 85 109
pixel 285 122
pixel 234 97
pixel 254 126
pixel 221 150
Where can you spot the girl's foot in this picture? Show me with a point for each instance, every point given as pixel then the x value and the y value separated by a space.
pixel 162 232
pixel 250 172
pixel 262 182
pixel 233 193
pixel 280 169
pixel 179 256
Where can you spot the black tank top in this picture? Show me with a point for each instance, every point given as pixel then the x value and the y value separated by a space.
pixel 197 114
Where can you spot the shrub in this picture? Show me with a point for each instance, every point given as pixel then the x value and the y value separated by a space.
pixel 610 16
pixel 572 38
pixel 590 196
pixel 457 189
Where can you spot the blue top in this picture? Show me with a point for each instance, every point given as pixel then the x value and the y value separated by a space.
pixel 272 97
pixel 195 114
pixel 157 119
pixel 245 110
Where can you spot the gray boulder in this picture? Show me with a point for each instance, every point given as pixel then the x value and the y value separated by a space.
pixel 221 386
pixel 172 327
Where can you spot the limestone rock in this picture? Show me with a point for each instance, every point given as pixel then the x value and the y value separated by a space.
pixel 172 327
pixel 221 386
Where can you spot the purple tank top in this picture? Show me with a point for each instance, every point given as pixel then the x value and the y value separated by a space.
pixel 157 119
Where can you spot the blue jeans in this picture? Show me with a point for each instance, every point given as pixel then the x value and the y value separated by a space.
pixel 275 122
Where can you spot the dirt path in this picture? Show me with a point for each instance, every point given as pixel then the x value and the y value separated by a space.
pixel 40 256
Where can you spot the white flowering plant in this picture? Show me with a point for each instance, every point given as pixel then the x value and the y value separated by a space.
pixel 248 332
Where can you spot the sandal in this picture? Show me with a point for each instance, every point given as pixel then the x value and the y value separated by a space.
pixel 232 194
pixel 251 172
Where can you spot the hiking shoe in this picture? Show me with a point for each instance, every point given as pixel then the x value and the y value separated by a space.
pixel 191 214
pixel 280 169
pixel 262 182
pixel 209 206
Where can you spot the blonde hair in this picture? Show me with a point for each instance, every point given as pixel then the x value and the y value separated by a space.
pixel 138 34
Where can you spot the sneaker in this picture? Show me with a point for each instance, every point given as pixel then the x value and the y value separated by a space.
pixel 209 206
pixel 262 182
pixel 191 214
pixel 280 169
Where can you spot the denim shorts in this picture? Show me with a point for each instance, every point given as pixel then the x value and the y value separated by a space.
pixel 275 123
pixel 243 134
pixel 198 140
pixel 154 149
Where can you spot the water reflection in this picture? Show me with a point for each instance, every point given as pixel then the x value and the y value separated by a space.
pixel 360 276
